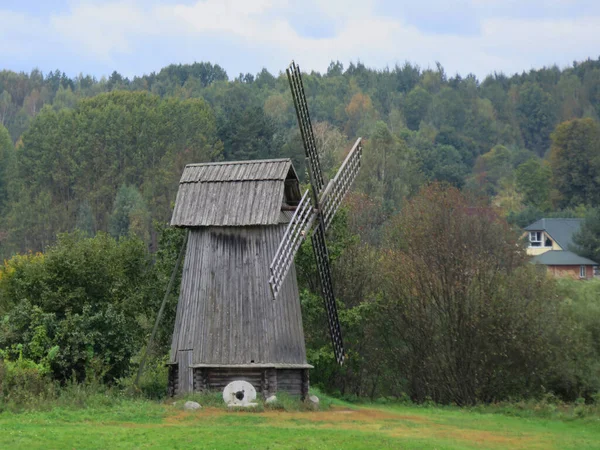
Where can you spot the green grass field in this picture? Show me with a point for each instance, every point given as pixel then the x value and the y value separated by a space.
pixel 144 424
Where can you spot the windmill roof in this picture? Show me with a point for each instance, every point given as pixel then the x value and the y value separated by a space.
pixel 561 230
pixel 253 170
pixel 238 193
pixel 561 258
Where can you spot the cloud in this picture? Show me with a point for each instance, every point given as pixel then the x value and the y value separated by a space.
pixel 479 36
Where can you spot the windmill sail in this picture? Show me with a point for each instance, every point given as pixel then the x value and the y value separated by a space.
pixel 338 187
pixel 306 130
pixel 296 232
pixel 307 213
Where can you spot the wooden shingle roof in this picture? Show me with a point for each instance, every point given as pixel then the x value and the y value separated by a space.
pixel 239 193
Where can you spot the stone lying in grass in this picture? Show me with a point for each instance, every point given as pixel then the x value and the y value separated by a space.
pixel 191 406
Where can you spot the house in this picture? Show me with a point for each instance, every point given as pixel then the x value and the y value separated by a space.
pixel 549 243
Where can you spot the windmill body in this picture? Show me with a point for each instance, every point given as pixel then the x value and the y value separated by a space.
pixel 238 316
pixel 228 326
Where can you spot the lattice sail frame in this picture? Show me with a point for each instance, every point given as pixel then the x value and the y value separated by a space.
pixel 306 129
pixel 337 188
pixel 297 230
pixel 305 216
pixel 322 258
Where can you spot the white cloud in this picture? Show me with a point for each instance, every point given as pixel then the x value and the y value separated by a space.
pixel 102 29
pixel 361 30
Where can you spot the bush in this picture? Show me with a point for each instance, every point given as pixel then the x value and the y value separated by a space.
pixel 85 298
pixel 152 383
pixel 576 373
pixel 24 384
pixel 465 317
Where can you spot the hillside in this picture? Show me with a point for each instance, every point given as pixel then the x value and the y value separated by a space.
pixel 105 155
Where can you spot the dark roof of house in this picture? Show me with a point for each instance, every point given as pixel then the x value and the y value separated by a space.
pixel 238 193
pixel 561 258
pixel 561 230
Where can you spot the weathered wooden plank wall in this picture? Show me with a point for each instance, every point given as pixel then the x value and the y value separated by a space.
pixel 185 372
pixel 226 313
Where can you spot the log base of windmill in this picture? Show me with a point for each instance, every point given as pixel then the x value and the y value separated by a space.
pixel 267 380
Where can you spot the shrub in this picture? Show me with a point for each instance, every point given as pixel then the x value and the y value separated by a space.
pixel 465 318
pixel 84 298
pixel 576 373
pixel 23 383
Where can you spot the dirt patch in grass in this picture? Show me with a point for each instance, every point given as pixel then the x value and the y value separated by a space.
pixel 362 419
pixel 401 426
pixel 337 415
pixel 489 439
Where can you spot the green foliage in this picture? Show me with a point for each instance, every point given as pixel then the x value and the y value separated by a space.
pixel 248 134
pixel 390 169
pixel 130 214
pixel 85 154
pixel 6 159
pixel 534 181
pixel 536 115
pixel 575 162
pixel 465 318
pixel 81 139
pixel 586 241
pixel 576 374
pixel 444 163
pixel 85 219
pixel 106 156
pixel 24 383
pixel 79 303
pixel 416 105
pixel 492 168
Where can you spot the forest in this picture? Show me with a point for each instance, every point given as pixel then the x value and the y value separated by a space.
pixel 89 170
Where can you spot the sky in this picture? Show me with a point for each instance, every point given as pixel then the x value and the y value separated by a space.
pixel 136 37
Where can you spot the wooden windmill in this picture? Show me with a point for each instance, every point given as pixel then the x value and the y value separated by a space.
pixel 238 316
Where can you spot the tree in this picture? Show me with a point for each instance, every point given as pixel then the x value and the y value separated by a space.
pixel 575 162
pixel 88 152
pixel 361 114
pixel 85 296
pixel 331 145
pixel 535 112
pixel 466 318
pixel 493 167
pixel 444 163
pixel 248 134
pixel 5 107
pixel 130 214
pixel 390 171
pixel 586 241
pixel 85 219
pixel 416 105
pixel 534 181
pixel 64 98
pixel 448 109
pixel 6 156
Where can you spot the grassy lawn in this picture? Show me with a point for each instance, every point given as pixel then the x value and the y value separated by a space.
pixel 145 424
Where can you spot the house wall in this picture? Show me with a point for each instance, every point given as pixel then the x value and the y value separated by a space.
pixel 571 272
pixel 533 251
